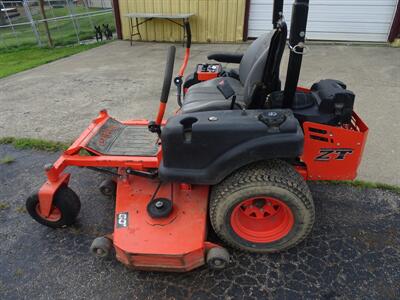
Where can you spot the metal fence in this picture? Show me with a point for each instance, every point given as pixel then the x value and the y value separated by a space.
pixel 26 23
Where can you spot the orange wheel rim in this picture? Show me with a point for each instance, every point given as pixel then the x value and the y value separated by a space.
pixel 262 219
pixel 54 216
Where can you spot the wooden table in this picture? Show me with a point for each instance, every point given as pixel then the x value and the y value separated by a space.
pixel 174 18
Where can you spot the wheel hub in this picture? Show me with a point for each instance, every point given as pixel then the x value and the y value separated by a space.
pixel 54 216
pixel 262 219
pixel 217 262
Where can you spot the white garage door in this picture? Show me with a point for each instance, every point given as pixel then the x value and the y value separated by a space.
pixel 344 20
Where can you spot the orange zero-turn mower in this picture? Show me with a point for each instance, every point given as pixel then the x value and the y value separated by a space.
pixel 238 153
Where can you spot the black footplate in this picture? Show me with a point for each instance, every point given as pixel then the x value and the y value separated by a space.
pixel 115 138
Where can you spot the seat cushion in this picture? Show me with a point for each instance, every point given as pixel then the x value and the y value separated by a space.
pixel 205 96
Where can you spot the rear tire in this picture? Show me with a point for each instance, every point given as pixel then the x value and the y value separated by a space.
pixel 264 207
pixel 65 208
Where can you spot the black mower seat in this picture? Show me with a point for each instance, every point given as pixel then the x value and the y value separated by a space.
pixel 205 96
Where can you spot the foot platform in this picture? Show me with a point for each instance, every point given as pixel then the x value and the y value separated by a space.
pixel 116 138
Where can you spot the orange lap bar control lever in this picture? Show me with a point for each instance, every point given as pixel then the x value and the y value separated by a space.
pixel 188 44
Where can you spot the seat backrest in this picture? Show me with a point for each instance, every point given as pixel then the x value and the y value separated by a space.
pixel 256 50
pixel 261 61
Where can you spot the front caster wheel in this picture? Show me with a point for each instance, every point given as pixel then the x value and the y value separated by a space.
pixel 108 187
pixel 217 258
pixel 101 247
pixel 64 210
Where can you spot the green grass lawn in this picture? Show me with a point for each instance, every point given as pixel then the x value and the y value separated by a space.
pixel 22 53
pixel 62 31
pixel 17 60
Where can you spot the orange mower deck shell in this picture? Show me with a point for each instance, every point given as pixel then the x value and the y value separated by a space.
pixel 174 243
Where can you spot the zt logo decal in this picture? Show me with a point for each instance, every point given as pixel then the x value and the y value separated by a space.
pixel 329 154
pixel 122 220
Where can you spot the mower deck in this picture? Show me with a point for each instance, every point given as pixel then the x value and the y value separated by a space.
pixel 173 243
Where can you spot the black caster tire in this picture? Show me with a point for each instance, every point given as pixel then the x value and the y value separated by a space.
pixel 108 188
pixel 101 247
pixel 263 208
pixel 217 258
pixel 65 208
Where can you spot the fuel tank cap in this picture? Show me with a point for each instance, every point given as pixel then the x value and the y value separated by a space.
pixel 272 118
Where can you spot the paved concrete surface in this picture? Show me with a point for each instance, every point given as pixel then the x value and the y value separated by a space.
pixel 57 101
pixel 353 251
